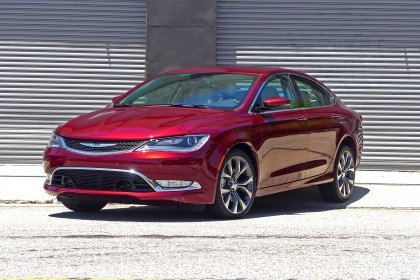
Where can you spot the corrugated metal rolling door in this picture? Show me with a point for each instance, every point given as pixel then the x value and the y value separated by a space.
pixel 59 59
pixel 367 51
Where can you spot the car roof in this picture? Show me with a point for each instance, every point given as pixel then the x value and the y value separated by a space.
pixel 235 69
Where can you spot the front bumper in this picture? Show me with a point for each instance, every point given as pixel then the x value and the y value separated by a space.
pixel 128 180
pixel 174 197
pixel 199 167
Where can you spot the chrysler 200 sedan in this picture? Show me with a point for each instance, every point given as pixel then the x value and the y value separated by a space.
pixel 212 136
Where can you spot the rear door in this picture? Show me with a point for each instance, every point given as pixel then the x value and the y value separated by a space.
pixel 323 124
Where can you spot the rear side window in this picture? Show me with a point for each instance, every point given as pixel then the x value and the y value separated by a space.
pixel 313 95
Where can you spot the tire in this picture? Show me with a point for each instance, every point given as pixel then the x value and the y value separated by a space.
pixel 83 205
pixel 235 192
pixel 342 187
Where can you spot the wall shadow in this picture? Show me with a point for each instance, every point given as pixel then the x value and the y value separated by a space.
pixel 286 203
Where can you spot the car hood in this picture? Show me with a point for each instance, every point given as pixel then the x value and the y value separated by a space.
pixel 137 123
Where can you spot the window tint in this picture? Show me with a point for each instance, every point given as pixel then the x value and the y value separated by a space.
pixel 279 86
pixel 312 94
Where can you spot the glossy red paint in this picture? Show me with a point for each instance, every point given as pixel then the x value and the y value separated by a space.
pixel 290 148
pixel 134 123
pixel 274 102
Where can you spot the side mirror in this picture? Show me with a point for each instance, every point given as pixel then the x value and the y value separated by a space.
pixel 277 103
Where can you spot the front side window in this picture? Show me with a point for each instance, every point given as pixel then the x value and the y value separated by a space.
pixel 312 94
pixel 223 91
pixel 279 86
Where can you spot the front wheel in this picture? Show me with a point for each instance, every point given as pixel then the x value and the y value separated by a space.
pixel 344 175
pixel 83 206
pixel 236 187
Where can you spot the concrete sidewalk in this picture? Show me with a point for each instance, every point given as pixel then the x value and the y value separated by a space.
pixel 388 189
pixel 375 189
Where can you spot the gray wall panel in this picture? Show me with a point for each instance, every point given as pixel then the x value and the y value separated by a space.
pixel 59 59
pixel 180 47
pixel 368 52
pixel 180 33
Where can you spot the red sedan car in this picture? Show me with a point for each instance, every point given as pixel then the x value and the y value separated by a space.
pixel 213 136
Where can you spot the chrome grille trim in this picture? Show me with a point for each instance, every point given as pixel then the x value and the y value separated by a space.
pixel 100 147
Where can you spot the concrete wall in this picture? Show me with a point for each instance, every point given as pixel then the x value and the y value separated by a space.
pixel 180 33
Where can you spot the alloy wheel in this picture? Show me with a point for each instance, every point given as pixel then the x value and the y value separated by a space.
pixel 237 185
pixel 345 174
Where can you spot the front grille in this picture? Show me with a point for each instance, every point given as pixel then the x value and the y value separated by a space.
pixel 108 146
pixel 100 180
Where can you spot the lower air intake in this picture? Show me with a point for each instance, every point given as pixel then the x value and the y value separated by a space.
pixel 100 180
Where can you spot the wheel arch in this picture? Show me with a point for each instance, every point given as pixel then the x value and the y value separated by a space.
pixel 349 141
pixel 246 148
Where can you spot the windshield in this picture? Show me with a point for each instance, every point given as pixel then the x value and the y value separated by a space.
pixel 223 91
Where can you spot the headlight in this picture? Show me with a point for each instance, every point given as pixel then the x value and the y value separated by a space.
pixel 187 143
pixel 55 141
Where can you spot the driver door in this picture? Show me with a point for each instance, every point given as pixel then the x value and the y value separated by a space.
pixel 285 135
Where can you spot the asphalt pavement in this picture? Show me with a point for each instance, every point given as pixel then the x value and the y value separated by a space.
pixel 292 235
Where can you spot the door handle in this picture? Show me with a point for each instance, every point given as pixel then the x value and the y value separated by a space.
pixel 302 118
pixel 335 116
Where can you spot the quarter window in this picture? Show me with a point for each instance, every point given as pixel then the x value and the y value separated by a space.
pixel 312 94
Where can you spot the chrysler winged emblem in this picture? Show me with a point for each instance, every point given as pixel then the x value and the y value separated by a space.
pixel 97 145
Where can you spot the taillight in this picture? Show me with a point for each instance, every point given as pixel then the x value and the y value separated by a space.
pixel 361 117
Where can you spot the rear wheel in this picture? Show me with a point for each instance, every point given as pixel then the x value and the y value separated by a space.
pixel 83 206
pixel 344 175
pixel 236 187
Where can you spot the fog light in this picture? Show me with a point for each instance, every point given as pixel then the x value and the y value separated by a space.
pixel 174 183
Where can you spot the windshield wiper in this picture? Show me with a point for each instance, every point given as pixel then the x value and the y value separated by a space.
pixel 122 105
pixel 190 105
pixel 175 105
